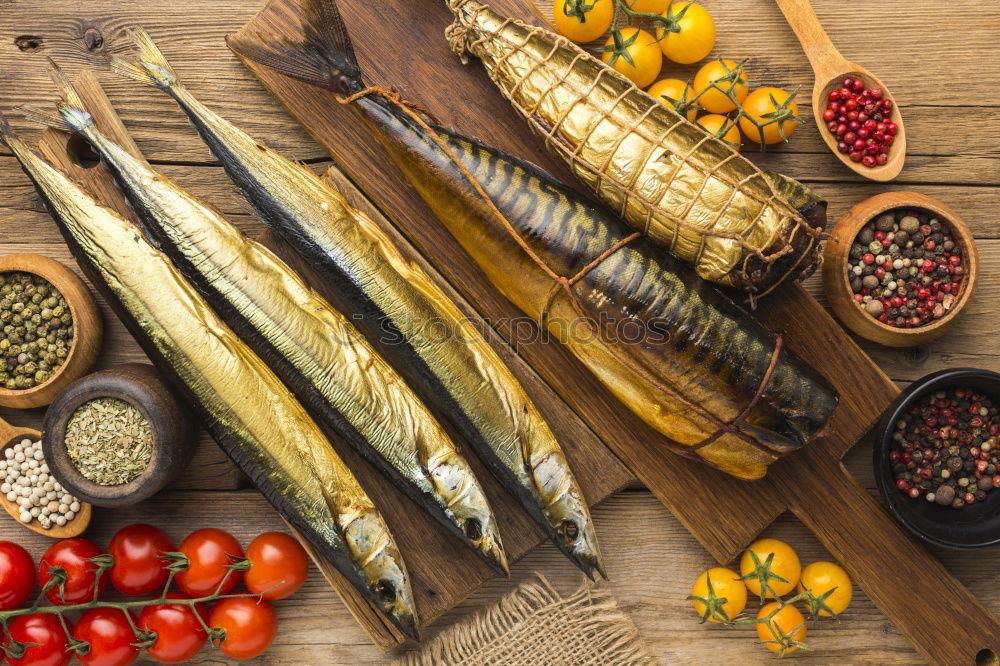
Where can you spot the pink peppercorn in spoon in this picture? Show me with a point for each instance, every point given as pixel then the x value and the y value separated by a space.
pixel 875 161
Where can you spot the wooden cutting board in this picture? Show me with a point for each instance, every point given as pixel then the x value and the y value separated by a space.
pixel 400 43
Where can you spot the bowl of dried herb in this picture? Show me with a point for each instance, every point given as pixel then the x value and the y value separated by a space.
pixel 116 437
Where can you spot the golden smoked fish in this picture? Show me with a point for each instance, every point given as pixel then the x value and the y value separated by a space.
pixel 673 348
pixel 687 190
pixel 313 348
pixel 400 309
pixel 242 403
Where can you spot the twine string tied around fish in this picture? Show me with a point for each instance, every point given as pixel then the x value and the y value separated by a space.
pixel 465 36
pixel 420 115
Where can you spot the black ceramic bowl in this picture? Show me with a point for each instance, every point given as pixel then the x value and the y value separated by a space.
pixel 969 527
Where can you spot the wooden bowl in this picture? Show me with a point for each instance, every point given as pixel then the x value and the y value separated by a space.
pixel 9 435
pixel 838 288
pixel 141 386
pixel 87 329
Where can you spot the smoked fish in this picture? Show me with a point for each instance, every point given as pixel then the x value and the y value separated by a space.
pixel 688 191
pixel 399 308
pixel 673 348
pixel 266 432
pixel 313 348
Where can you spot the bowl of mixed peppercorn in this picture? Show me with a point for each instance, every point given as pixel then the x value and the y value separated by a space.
pixel 937 458
pixel 899 268
pixel 50 329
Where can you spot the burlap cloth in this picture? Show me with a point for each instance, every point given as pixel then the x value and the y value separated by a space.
pixel 535 626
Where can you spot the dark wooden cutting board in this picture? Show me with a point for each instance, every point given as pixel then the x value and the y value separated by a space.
pixel 400 43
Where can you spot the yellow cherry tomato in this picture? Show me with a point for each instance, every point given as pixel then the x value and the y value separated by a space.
pixel 646 57
pixel 760 105
pixel 773 560
pixel 827 578
pixel 583 20
pixel 647 6
pixel 674 93
pixel 713 123
pixel 691 35
pixel 724 72
pixel 782 630
pixel 727 598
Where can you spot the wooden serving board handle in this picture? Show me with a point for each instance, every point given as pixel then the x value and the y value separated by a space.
pixel 939 615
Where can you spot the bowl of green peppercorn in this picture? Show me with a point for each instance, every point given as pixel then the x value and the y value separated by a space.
pixel 50 329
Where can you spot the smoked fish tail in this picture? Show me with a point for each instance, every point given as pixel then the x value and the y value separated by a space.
pixel 324 58
pixel 313 348
pixel 242 403
pixel 687 191
pixel 465 377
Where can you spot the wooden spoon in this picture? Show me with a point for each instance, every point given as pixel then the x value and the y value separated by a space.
pixel 9 435
pixel 831 69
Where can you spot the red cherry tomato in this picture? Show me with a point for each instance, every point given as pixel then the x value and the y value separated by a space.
pixel 250 626
pixel 138 568
pixel 17 575
pixel 51 647
pixel 110 637
pixel 208 552
pixel 278 566
pixel 179 634
pixel 72 555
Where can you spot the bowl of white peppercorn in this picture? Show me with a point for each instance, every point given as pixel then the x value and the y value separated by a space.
pixel 30 494
pixel 899 268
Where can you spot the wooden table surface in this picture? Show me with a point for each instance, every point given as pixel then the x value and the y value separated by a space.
pixel 937 58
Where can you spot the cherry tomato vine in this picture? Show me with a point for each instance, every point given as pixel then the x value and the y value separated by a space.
pixel 618 46
pixel 174 563
pixel 781 640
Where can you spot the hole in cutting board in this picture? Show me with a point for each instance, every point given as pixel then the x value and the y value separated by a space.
pixel 81 153
pixel 987 657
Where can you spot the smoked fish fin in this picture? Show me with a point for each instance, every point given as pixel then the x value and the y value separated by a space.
pixel 44 118
pixel 325 58
pixel 149 66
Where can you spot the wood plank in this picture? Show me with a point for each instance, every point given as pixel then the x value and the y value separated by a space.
pixel 65 33
pixel 20 205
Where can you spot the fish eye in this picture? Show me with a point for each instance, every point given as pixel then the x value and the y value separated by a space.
pixel 473 529
pixel 569 530
pixel 385 591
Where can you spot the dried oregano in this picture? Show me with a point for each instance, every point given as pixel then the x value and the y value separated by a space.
pixel 109 440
